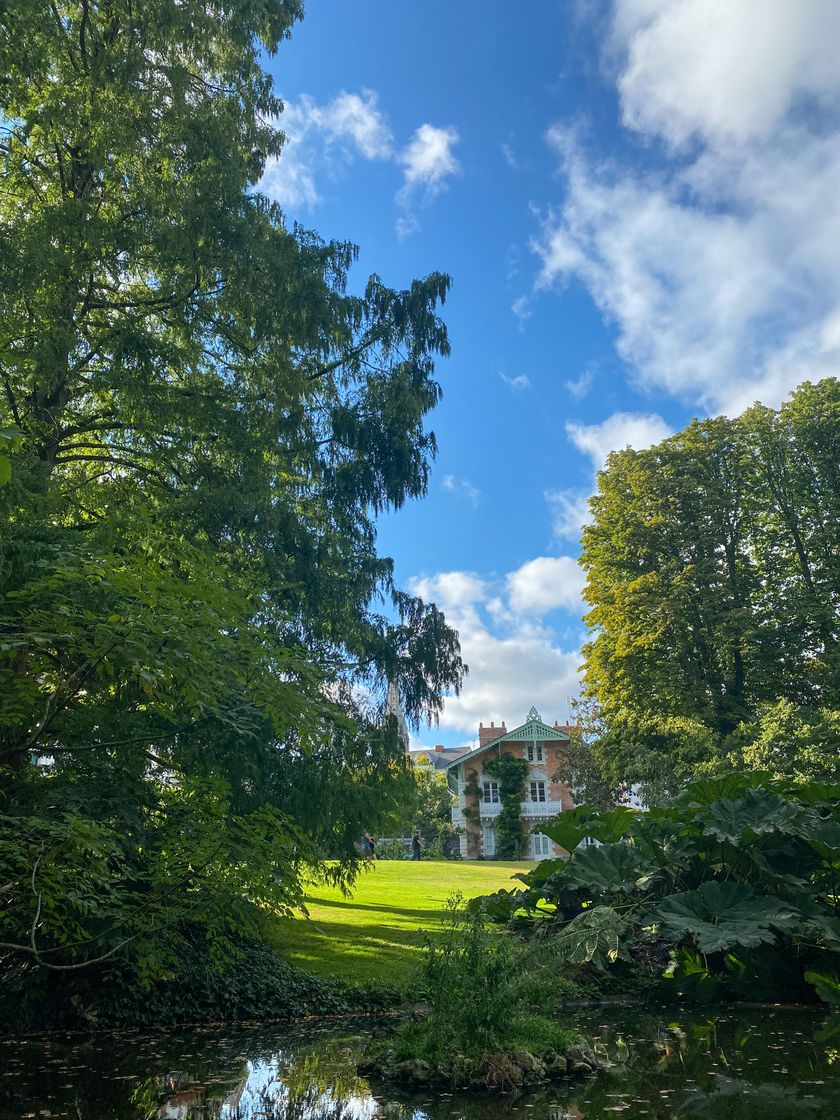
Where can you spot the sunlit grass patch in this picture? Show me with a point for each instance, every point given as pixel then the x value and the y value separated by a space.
pixel 377 933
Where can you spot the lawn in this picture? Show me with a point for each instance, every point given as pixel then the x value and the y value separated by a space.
pixel 377 933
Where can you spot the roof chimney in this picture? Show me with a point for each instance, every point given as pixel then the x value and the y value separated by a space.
pixel 438 747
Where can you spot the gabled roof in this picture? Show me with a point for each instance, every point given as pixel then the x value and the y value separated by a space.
pixel 532 731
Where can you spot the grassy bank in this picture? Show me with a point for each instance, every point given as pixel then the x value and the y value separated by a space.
pixel 377 933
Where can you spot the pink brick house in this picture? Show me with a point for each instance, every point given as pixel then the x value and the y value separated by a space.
pixel 475 813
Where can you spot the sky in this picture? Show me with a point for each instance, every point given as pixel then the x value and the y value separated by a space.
pixel 639 204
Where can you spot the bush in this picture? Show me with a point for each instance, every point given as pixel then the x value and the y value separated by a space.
pixel 735 883
pixel 254 984
pixel 482 986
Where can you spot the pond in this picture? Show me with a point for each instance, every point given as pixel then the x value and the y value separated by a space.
pixel 758 1064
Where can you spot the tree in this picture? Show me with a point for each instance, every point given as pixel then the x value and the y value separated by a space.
pixel 431 809
pixel 714 584
pixel 196 629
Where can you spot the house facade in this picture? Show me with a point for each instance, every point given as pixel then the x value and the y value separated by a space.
pixel 478 797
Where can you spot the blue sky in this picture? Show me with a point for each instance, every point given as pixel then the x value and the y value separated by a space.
pixel 639 204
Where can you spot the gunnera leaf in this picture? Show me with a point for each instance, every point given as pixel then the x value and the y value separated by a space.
pixel 593 936
pixel 722 915
pixel 611 869
pixel 756 813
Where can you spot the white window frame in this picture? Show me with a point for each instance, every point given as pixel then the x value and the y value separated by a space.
pixel 489 792
pixel 488 840
pixel 542 845
pixel 538 791
pixel 535 752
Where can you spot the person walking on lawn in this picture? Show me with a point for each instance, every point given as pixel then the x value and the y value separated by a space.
pixel 416 850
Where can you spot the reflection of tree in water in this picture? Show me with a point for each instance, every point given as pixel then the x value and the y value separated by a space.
pixel 753 1065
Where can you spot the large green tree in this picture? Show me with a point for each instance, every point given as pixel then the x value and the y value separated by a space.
pixel 200 424
pixel 713 566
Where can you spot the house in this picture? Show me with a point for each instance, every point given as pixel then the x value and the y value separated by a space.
pixel 478 799
pixel 436 759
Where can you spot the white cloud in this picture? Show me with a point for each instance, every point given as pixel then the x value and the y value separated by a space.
pixel 428 160
pixel 569 511
pixel 546 583
pixel 323 140
pixel 580 386
pixel 509 671
pixel 462 487
pixel 725 70
pixel 521 307
pixel 518 383
pixel 570 507
pixel 718 271
pixel 510 156
pixel 622 429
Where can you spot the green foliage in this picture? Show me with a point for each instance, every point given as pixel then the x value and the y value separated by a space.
pixel 595 937
pixel 200 426
pixel 482 986
pixel 511 773
pixel 723 916
pixel 738 878
pixel 254 982
pixel 713 580
pixel 430 811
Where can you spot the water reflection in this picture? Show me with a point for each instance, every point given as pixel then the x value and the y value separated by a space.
pixel 759 1065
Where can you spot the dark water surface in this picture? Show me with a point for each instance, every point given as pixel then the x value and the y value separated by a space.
pixel 765 1064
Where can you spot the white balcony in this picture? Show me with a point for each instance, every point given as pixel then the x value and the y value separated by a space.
pixel 490 809
pixel 541 809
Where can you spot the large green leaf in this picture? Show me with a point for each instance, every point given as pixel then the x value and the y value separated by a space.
pixel 722 915
pixel 756 813
pixel 593 936
pixel 568 829
pixel 611 869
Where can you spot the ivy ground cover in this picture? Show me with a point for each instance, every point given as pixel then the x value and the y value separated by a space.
pixel 378 932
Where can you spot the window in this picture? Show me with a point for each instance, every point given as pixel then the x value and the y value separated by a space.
pixel 491 792
pixel 542 845
pixel 538 791
pixel 535 752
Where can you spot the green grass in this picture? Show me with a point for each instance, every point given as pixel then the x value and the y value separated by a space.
pixel 377 933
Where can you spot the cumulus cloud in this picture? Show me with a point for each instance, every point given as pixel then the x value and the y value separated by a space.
pixel 428 162
pixel 719 270
pixel 622 429
pixel 570 507
pixel 728 71
pixel 518 383
pixel 462 487
pixel 510 669
pixel 323 140
pixel 544 584
pixel 569 511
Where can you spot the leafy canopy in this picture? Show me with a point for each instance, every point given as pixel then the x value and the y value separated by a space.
pixel 200 420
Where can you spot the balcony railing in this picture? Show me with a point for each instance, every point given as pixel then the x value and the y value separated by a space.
pixel 491 809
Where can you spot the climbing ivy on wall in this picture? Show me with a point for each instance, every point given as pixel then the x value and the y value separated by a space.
pixel 510 772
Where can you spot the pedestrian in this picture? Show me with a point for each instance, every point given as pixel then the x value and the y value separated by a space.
pixel 416 850
pixel 372 846
pixel 366 846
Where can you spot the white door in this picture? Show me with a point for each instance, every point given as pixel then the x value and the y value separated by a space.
pixel 489 841
pixel 542 846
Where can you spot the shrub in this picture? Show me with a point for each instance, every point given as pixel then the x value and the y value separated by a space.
pixel 737 880
pixel 483 987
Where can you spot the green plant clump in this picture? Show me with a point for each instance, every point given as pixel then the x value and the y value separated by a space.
pixel 732 889
pixel 482 988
